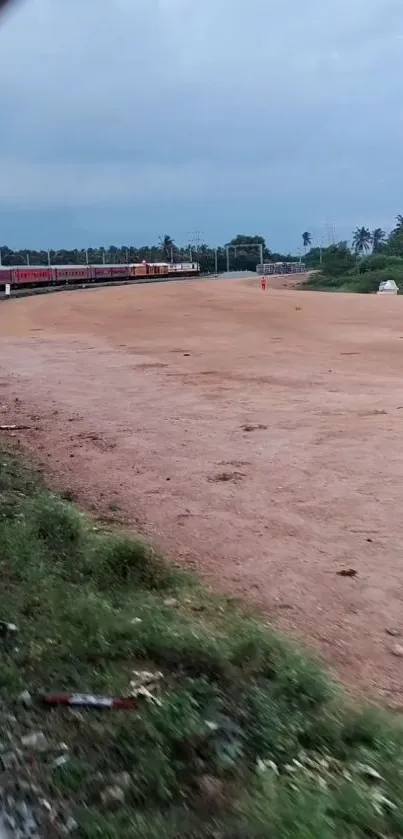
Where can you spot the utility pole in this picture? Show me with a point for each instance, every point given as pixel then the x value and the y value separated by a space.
pixel 49 260
pixel 172 256
pixel 28 262
pixel 127 257
pixel 86 256
pixel 216 261
pixel 261 253
pixel 227 249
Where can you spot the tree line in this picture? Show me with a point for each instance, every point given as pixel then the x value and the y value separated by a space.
pixel 241 253
pixel 364 241
pixel 372 257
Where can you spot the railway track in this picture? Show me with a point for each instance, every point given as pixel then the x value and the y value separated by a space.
pixel 30 292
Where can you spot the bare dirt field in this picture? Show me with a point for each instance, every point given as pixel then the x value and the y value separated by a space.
pixel 255 436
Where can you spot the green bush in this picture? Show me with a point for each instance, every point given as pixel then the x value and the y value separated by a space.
pixel 366 281
pixel 57 524
pixel 119 560
pixel 338 260
pixel 322 282
pixel 364 284
pixel 380 261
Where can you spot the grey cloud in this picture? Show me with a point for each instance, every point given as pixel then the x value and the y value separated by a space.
pixel 126 98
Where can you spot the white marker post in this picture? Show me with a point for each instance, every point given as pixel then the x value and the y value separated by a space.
pixel 7 289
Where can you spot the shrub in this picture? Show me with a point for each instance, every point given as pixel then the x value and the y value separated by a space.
pixel 379 261
pixel 338 260
pixel 365 282
pixel 122 560
pixel 56 523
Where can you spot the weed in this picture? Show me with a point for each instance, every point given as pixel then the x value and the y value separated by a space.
pixel 118 560
pixel 57 524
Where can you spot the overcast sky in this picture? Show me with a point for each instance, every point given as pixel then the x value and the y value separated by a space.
pixel 124 119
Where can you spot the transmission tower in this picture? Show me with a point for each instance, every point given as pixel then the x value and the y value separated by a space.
pixel 195 239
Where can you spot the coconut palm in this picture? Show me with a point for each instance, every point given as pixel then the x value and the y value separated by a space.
pixel 167 246
pixel 378 238
pixel 306 240
pixel 362 240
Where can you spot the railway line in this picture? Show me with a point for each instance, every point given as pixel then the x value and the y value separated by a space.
pixel 15 280
pixel 52 289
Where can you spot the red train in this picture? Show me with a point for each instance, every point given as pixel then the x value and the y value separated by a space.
pixel 26 276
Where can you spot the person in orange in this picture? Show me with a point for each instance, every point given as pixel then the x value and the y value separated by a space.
pixel 263 283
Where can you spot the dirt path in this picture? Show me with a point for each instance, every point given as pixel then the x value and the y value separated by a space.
pixel 258 437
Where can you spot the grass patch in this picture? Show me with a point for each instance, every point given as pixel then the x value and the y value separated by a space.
pixel 364 278
pixel 249 737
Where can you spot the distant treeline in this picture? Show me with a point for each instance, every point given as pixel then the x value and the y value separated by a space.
pixel 341 265
pixel 242 253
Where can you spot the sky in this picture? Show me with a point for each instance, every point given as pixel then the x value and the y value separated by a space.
pixel 123 120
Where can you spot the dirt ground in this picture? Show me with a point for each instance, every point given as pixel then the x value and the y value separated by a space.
pixel 255 436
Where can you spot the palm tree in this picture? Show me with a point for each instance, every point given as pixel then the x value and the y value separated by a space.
pixel 167 245
pixel 306 240
pixel 399 223
pixel 378 238
pixel 3 3
pixel 362 240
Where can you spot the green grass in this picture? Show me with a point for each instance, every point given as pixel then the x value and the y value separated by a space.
pixel 366 281
pixel 287 755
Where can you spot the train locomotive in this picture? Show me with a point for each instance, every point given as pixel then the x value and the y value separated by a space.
pixel 37 276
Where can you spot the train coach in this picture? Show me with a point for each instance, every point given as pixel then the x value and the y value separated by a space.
pixel 26 276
